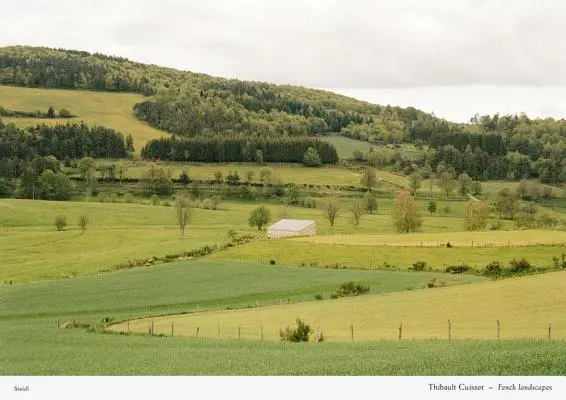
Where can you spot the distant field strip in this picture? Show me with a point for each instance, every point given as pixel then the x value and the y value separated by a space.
pixel 459 239
pixel 112 110
pixel 524 307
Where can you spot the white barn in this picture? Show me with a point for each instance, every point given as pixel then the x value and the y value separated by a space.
pixel 292 227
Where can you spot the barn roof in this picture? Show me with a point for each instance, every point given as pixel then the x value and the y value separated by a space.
pixel 291 224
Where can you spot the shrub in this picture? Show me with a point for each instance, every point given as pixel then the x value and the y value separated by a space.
pixel 113 198
pixel 318 297
pixel 431 283
pixel 60 222
pixel 493 268
pixel 64 113
pixel 448 245
pixel 457 269
pixel 420 266
pixel 351 289
pixel 129 198
pixel 334 296
pixel 271 262
pixel 519 266
pixel 155 200
pixel 299 334
pixel 207 204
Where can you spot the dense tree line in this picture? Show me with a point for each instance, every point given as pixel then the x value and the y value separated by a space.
pixel 19 147
pixel 238 148
pixel 197 115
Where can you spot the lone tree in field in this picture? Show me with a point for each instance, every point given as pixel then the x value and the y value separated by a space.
pixel 183 212
pixel 415 180
pixel 83 223
pixel 259 217
pixel 431 207
pixel 477 215
pixel 311 158
pixel 446 182
pixel 357 210
pixel 464 184
pixel 60 222
pixel 87 169
pixel 406 215
pixel 368 179
pixel 331 209
pixel 370 203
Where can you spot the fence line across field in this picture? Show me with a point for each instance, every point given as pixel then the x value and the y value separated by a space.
pixel 352 331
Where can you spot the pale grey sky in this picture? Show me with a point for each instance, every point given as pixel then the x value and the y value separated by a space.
pixel 415 51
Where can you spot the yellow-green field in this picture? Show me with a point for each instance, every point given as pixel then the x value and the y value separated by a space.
pixel 523 305
pixel 457 239
pixel 112 110
pixel 296 173
pixel 32 249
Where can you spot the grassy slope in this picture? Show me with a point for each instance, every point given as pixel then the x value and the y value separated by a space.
pixel 117 233
pixel 31 344
pixel 121 232
pixel 112 110
pixel 524 306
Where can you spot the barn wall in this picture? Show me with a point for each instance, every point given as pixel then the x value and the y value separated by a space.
pixel 308 231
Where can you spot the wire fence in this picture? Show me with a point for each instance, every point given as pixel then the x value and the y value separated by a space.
pixel 352 332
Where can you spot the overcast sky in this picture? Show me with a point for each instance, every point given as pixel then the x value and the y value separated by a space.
pixel 453 57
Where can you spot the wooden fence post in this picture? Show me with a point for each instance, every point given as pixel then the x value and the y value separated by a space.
pixel 400 330
pixel 549 329
pixel 352 331
pixel 196 334
pixel 498 332
pixel 239 331
pixel 128 325
pixel 152 331
pixel 449 330
pixel 58 324
pixel 261 329
pixel 172 329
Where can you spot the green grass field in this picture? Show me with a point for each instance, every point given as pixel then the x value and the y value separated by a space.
pixel 121 232
pixel 457 239
pixel 523 305
pixel 296 173
pixel 294 253
pixel 112 110
pixel 32 344
pixel 117 233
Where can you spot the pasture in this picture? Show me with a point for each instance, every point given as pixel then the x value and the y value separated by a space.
pixel 32 344
pixel 523 305
pixel 457 239
pixel 119 232
pixel 112 110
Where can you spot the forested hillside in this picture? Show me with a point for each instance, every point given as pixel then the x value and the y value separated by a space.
pixel 217 119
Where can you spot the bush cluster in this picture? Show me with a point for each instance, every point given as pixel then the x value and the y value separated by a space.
pixel 351 289
pixel 420 266
pixel 516 267
pixel 457 269
pixel 299 334
pixel 200 252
